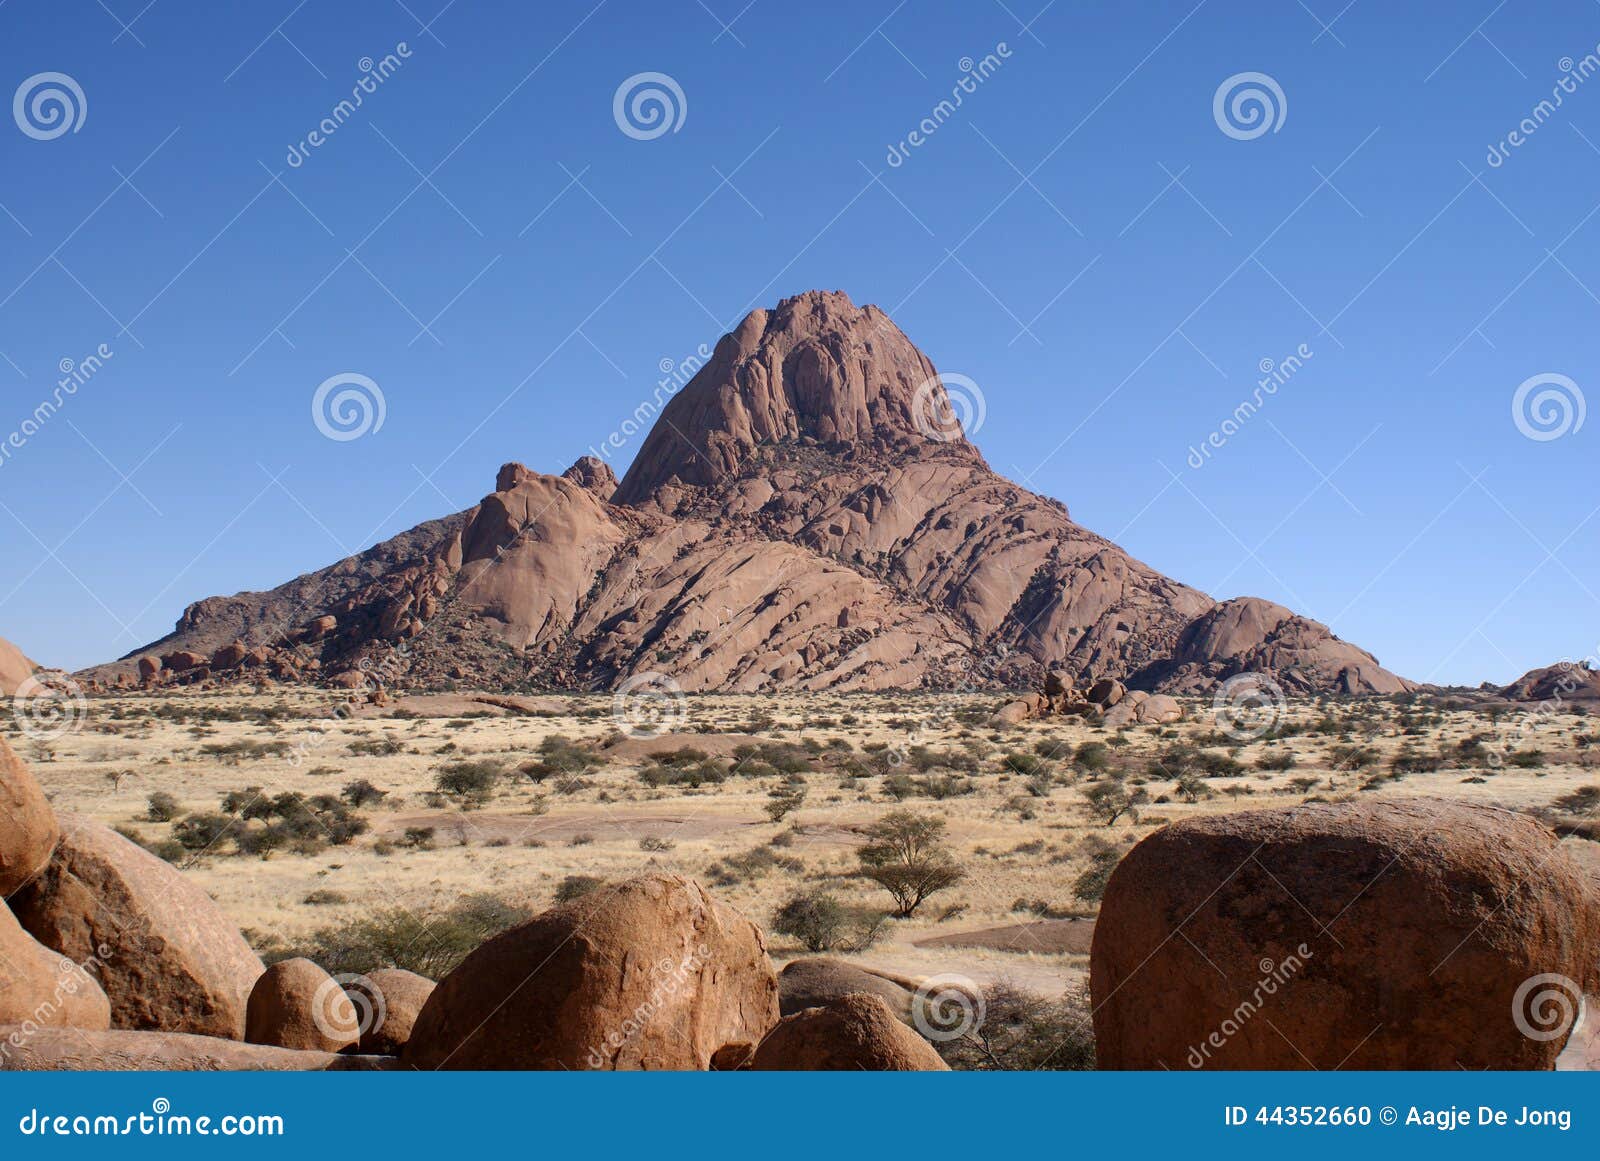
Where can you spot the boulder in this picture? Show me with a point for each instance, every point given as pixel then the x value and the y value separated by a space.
pixel 1396 934
pixel 1106 692
pixel 28 830
pixel 649 974
pixel 149 667
pixel 854 1033
pixel 182 661
pixel 40 989
pixel 15 668
pixel 71 1050
pixel 295 1004
pixel 229 655
pixel 819 980
pixel 175 962
pixel 387 1004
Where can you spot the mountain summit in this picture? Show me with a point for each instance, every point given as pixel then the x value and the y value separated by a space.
pixel 807 513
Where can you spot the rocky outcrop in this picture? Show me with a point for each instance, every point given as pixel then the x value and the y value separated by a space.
pixel 28 830
pixel 648 974
pixel 1249 635
pixel 166 956
pixel 295 1004
pixel 57 1050
pixel 852 1034
pixel 40 989
pixel 807 513
pixel 820 980
pixel 1399 934
pixel 1556 685
pixel 387 1003
pixel 15 668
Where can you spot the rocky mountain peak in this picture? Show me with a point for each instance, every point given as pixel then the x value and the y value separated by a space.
pixel 815 368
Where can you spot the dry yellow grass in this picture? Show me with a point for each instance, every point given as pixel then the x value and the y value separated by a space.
pixel 1014 844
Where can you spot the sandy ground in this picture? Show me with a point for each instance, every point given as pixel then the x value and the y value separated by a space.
pixel 1015 844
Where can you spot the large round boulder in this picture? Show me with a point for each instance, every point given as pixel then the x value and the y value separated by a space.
pixel 818 980
pixel 853 1034
pixel 28 831
pixel 387 1004
pixel 167 957
pixel 295 1004
pixel 40 989
pixel 1398 934
pixel 651 973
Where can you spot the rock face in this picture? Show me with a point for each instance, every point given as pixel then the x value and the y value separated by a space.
pixel 387 1004
pixel 1249 635
pixel 166 956
pixel 40 989
pixel 295 1004
pixel 1400 934
pixel 854 1033
pixel 807 513
pixel 58 1050
pixel 648 974
pixel 28 831
pixel 816 981
pixel 1555 685
pixel 15 668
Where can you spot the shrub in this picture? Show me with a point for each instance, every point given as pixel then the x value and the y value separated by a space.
pixel 817 920
pixel 162 807
pixel 432 945
pixel 577 886
pixel 362 793
pixel 471 784
pixel 1020 1032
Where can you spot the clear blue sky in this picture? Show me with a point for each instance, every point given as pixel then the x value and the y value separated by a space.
pixel 1154 261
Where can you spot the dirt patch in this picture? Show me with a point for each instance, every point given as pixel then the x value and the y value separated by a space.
pixel 1046 937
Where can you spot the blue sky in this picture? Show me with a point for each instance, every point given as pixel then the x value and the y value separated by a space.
pixel 1080 238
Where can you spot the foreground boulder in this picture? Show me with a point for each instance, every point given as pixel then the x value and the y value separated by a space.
pixel 167 957
pixel 70 1050
pixel 1410 934
pixel 387 1004
pixel 28 830
pixel 819 980
pixel 295 1004
pixel 856 1033
pixel 647 974
pixel 40 989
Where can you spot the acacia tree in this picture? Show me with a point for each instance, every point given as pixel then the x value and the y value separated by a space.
pixel 906 855
pixel 1111 800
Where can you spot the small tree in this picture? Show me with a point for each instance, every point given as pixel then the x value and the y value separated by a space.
pixel 906 855
pixel 817 921
pixel 471 784
pixel 362 793
pixel 1109 801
